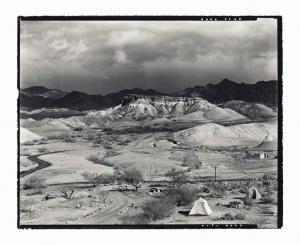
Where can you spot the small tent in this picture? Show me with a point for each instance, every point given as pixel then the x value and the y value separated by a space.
pixel 200 208
pixel 253 193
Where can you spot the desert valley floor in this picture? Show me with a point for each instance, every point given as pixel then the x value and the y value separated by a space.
pixel 221 150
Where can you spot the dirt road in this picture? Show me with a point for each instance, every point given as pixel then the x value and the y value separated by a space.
pixel 42 164
pixel 110 214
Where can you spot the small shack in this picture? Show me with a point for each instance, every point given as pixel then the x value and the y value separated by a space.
pixel 154 190
pixel 257 155
pixel 200 207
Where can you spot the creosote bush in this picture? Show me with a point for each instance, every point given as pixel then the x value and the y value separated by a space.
pixel 158 209
pixel 96 179
pixel 135 219
pixel 34 183
pixel 43 150
pixel 182 196
pixel 267 200
pixel 99 160
pixel 228 216
pixel 240 216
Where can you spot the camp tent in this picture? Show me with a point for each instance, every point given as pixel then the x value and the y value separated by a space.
pixel 200 208
pixel 253 193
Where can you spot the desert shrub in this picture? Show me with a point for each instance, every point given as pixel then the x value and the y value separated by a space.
pixel 218 187
pixel 268 177
pixel 111 153
pixel 99 160
pixel 103 196
pixel 269 190
pixel 135 219
pixel 28 143
pixel 248 201
pixel 133 177
pixel 158 209
pixel 228 216
pixel 177 177
pixel 37 191
pixel 26 206
pixel 204 190
pixel 267 200
pixel 107 146
pixel 43 150
pixel 69 139
pixel 191 160
pixel 91 177
pixel 240 216
pixel 106 179
pixel 96 179
pixel 52 137
pixel 124 142
pixel 77 129
pixel 182 196
pixel 42 141
pixel 33 183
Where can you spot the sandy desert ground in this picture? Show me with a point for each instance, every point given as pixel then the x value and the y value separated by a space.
pixel 55 151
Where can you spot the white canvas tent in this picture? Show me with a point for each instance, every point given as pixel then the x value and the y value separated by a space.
pixel 253 193
pixel 200 207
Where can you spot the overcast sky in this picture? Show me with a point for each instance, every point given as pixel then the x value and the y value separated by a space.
pixel 100 57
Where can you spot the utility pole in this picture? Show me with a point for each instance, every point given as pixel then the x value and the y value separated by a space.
pixel 215 173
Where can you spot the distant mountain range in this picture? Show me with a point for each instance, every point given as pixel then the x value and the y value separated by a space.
pixel 264 92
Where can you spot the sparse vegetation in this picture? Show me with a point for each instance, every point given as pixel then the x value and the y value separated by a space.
pixel 107 146
pixel 69 139
pixel 135 219
pixel 91 178
pixel 99 160
pixel 33 183
pixel 111 153
pixel 268 200
pixel 43 150
pixel 240 216
pixel 218 188
pixel 133 177
pixel 177 177
pixel 191 160
pixel 26 206
pixel 96 179
pixel 228 216
pixel 67 192
pixel 158 209
pixel 182 196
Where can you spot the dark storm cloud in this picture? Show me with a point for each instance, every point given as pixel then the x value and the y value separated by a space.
pixel 103 57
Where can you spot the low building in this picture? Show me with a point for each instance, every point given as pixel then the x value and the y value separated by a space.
pixel 256 155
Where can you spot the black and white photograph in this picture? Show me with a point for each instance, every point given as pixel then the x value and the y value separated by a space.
pixel 150 122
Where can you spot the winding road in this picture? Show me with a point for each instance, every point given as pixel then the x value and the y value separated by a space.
pixel 41 163
pixel 108 215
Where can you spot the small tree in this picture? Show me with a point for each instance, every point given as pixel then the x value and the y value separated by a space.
pixel 133 177
pixel 67 192
pixel 106 179
pixel 181 196
pixel 96 179
pixel 191 160
pixel 91 177
pixel 158 209
pixel 177 177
